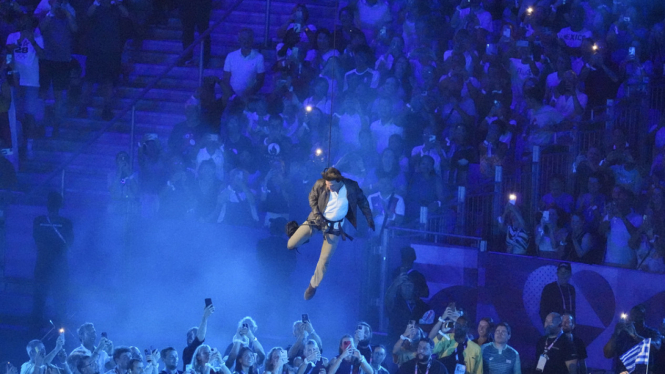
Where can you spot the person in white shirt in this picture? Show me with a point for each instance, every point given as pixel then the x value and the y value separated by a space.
pixel 39 360
pixel 100 353
pixel 373 15
pixel 385 126
pixel 568 101
pixel 331 199
pixel 212 149
pixel 386 206
pixel 244 69
pixel 621 225
pixel 27 47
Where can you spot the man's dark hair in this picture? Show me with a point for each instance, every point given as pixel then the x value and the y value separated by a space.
pixel 506 325
pixel 165 351
pixel 429 341
pixel 120 351
pixel 463 320
pixel 331 174
pixel 133 362
pixel 379 346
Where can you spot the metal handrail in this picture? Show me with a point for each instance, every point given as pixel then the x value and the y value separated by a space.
pixel 132 104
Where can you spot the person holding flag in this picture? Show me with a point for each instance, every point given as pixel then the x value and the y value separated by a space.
pixel 629 332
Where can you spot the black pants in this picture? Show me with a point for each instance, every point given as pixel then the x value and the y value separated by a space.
pixel 195 18
pixel 51 278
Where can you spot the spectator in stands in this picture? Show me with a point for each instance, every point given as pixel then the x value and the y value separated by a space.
pixel 99 355
pixel 629 332
pixel 363 80
pixel 170 358
pixel 363 337
pixel 349 359
pixel 521 69
pixel 346 30
pixel 211 149
pixel 121 356
pixel 53 235
pixel 554 351
pixel 551 234
pixel 568 326
pixel 559 295
pixel 557 197
pixel 543 119
pixel 153 172
pixel 324 49
pixel 627 175
pixel 585 166
pixel 276 360
pixel 304 332
pixel 212 105
pixel 408 258
pixel 175 198
pixel 387 206
pixel 374 17
pixel 582 245
pixel 27 49
pixel 485 331
pixel 244 68
pixel 195 337
pixel 104 51
pixel 591 205
pixel 313 363
pixel 275 192
pixel 237 202
pixel 568 100
pixel 425 189
pixel 57 28
pixel 203 358
pixel 432 147
pixel 406 348
pixel 378 356
pixel 39 359
pixel 517 235
pixel 185 135
pixel 456 349
pixel 319 98
pixel 195 17
pixel 123 186
pixel 596 73
pixel 403 304
pixel 423 363
pixel 236 143
pixel 620 225
pixel 498 356
pixel 246 362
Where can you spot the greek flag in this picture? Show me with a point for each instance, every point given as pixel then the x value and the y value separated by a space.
pixel 639 354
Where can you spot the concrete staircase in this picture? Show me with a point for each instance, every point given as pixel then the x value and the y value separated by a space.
pixel 162 107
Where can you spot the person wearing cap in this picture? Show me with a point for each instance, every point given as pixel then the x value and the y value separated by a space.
pixel 332 199
pixel 558 296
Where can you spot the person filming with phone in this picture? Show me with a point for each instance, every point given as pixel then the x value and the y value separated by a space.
pixel 40 361
pixel 197 335
pixel 349 359
pixel 304 332
pixel 457 353
pixel 630 330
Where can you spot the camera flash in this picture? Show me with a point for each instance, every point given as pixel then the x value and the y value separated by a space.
pixel 318 152
pixel 308 108
pixel 595 47
pixel 529 10
pixel 62 331
pixel 624 316
pixel 512 196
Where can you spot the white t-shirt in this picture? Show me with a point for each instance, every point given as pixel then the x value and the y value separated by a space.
pixel 25 59
pixel 217 157
pixel 618 251
pixel 573 39
pixel 566 105
pixel 243 69
pixel 552 81
pixel 519 73
pixel 382 133
pixel 419 150
pixel 349 127
pixel 29 366
pixel 378 203
pixel 338 205
pixel 371 17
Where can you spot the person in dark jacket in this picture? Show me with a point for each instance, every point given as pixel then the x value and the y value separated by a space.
pixel 332 199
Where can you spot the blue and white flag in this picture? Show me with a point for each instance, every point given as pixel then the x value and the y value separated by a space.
pixel 639 354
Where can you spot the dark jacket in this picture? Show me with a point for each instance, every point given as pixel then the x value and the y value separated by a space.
pixel 319 195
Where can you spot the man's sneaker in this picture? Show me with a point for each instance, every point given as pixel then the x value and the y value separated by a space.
pixel 310 292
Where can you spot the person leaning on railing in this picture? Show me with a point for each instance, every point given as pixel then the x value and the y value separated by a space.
pixel 517 236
